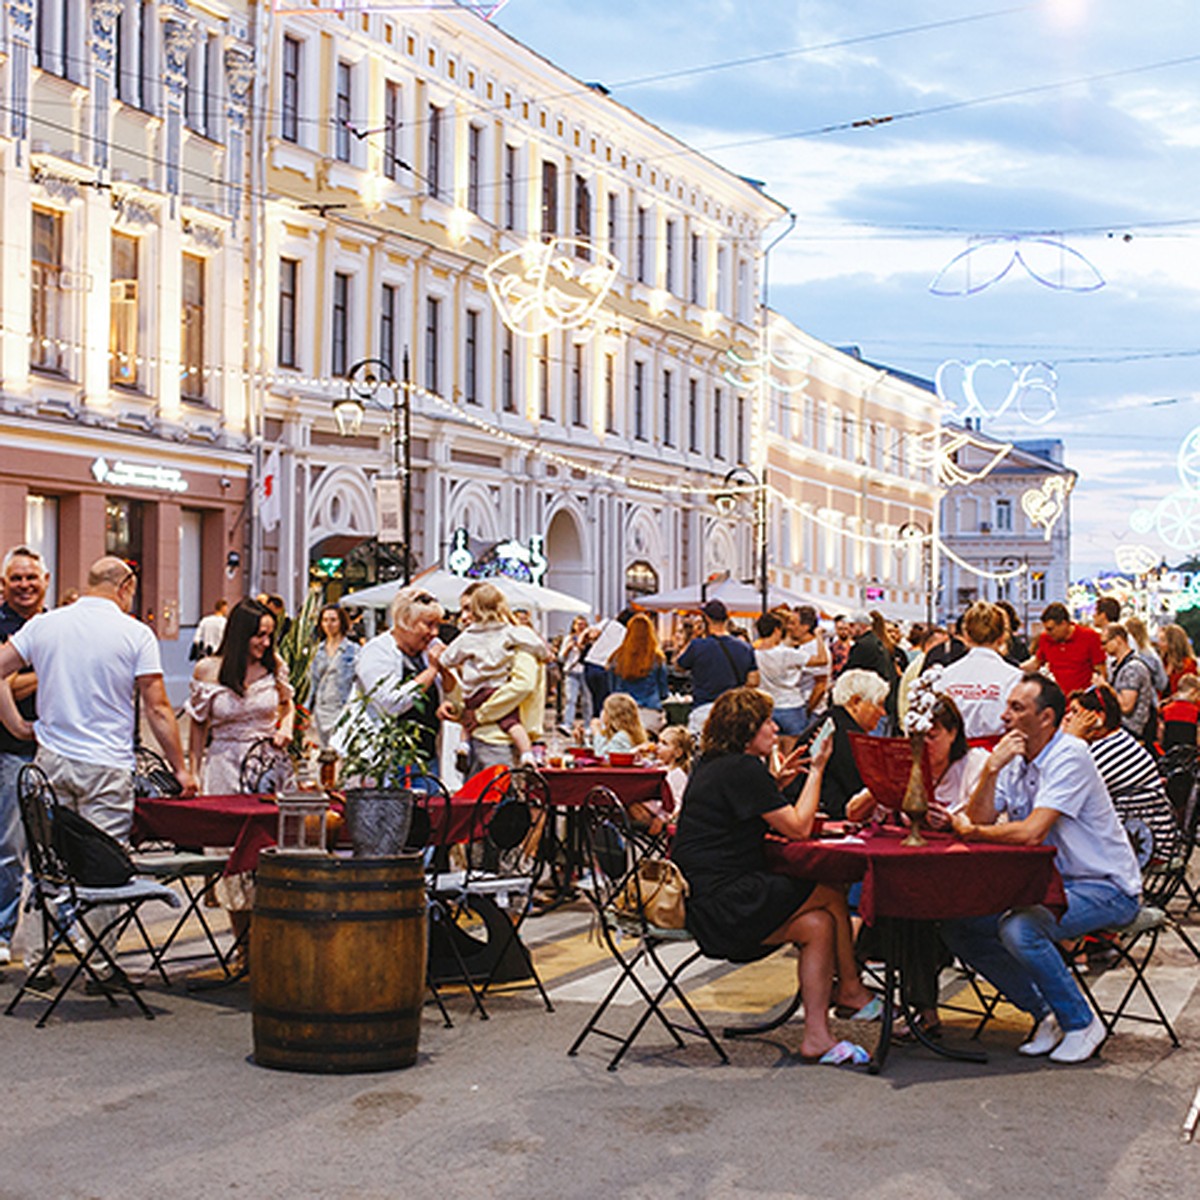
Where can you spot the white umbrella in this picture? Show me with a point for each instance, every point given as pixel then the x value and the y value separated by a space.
pixel 741 599
pixel 446 588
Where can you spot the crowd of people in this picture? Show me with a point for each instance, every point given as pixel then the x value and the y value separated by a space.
pixel 1050 740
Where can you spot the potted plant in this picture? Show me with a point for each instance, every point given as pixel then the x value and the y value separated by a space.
pixel 378 751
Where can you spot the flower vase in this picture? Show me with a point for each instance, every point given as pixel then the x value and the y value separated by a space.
pixel 916 802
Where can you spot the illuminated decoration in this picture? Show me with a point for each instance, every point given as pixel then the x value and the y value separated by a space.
pixel 1176 518
pixel 987 260
pixel 746 373
pixel 340 7
pixel 510 560
pixel 988 388
pixel 1135 560
pixel 1045 505
pixel 142 475
pixel 938 449
pixel 1019 569
pixel 546 286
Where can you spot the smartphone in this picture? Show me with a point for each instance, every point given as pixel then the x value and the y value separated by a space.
pixel 823 735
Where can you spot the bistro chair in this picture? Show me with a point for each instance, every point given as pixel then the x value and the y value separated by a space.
pixel 74 916
pixel 612 857
pixel 266 770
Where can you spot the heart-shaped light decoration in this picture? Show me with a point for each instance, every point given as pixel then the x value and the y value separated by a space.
pixel 1045 505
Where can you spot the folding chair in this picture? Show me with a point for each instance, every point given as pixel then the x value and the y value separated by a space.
pixel 266 769
pixel 67 906
pixel 611 860
pixel 504 861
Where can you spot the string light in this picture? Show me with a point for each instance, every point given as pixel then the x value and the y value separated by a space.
pixel 993 257
pixel 1020 569
pixel 1030 387
pixel 938 449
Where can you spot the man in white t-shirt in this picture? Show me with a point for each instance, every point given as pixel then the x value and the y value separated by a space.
pixel 90 658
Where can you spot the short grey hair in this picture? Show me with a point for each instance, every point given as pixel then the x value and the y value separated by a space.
pixel 866 685
pixel 413 602
pixel 22 552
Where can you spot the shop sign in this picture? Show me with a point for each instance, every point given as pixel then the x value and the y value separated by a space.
pixel 143 475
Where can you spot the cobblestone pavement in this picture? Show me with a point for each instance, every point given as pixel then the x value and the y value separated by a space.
pixel 104 1104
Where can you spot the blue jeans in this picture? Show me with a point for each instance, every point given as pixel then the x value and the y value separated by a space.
pixel 12 843
pixel 1017 951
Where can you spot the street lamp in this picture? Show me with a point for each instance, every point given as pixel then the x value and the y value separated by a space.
pixel 363 383
pixel 914 531
pixel 726 502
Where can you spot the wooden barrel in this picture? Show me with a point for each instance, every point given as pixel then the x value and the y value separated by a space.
pixel 337 956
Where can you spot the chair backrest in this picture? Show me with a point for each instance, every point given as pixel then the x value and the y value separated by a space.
pixel 609 854
pixel 508 822
pixel 37 801
pixel 152 776
pixel 266 769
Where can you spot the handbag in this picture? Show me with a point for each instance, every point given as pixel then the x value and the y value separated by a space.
pixel 656 892
pixel 94 858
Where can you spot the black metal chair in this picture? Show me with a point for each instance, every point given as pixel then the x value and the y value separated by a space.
pixel 611 860
pixel 74 916
pixel 266 769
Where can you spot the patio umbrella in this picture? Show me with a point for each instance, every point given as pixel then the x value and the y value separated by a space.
pixel 446 588
pixel 741 599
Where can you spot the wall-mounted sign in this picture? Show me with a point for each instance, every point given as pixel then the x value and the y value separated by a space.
pixel 143 475
pixel 388 511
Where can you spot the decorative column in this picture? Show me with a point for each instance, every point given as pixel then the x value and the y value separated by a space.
pixel 239 78
pixel 179 36
pixel 105 14
pixel 20 24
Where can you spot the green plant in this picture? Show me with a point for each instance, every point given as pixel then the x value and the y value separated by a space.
pixel 297 648
pixel 377 746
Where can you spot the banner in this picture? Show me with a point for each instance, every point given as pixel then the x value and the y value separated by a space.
pixel 267 493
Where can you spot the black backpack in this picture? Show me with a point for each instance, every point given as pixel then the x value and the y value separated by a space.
pixel 94 858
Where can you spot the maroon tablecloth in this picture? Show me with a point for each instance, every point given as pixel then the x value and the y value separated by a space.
pixel 245 823
pixel 569 786
pixel 942 879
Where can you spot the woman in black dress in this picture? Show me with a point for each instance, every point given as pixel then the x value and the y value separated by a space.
pixel 737 909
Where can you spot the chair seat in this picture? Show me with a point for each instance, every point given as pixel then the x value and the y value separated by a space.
pixel 1148 918
pixel 180 862
pixel 632 927
pixel 136 889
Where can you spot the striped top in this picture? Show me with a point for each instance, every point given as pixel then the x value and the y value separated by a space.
pixel 1137 791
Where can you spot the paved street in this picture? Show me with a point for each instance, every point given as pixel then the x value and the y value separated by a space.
pixel 105 1104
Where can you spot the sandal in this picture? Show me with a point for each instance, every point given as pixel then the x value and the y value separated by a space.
pixel 843 1054
pixel 903 1030
pixel 871 1011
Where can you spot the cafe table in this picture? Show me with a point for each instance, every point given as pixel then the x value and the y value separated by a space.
pixel 246 824
pixel 944 879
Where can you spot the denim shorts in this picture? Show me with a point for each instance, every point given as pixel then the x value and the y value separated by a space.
pixel 791 721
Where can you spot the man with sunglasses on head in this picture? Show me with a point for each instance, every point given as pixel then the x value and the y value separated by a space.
pixel 90 659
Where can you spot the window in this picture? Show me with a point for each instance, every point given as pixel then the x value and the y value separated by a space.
pixel 433 152
pixel 723 280
pixel 149 46
pixel 339 347
pixel 471 359
pixel 201 97
pixel 474 167
pixel 543 368
pixel 1004 515
pixel 549 199
pixel 718 424
pixel 55 48
pixel 289 275
pixel 510 187
pixel 670 255
pixel 1037 587
pixel 341 112
pixel 640 240
pixel 289 117
pixel 391 130
pixel 694 415
pixel 48 309
pixel 387 325
pixel 668 409
pixel 508 391
pixel 583 217
pixel 739 448
pixel 134 47
pixel 614 215
pixel 577 406
pixel 191 340
pixel 433 334
pixel 639 401
pixel 123 312
pixel 694 278
pixel 610 393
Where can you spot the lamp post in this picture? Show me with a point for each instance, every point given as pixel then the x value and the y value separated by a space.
pixel 363 383
pixel 911 529
pixel 727 501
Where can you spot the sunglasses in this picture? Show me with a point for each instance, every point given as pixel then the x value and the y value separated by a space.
pixel 424 598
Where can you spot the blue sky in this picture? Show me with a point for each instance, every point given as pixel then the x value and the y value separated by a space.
pixel 1071 116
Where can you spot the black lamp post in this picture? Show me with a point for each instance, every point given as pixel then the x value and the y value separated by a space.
pixel 727 501
pixel 911 529
pixel 363 383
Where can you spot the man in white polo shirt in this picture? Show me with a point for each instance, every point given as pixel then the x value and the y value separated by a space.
pixel 90 658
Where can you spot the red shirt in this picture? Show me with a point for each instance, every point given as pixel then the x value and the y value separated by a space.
pixel 1187 667
pixel 1073 660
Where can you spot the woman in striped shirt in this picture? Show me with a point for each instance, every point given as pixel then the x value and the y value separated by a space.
pixel 1129 772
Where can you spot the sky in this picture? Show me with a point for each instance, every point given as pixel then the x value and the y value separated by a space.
pixel 1064 123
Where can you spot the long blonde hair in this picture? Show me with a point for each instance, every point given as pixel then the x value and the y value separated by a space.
pixel 1177 649
pixel 678 737
pixel 486 602
pixel 619 712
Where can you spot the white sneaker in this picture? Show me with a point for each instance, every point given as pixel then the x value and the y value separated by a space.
pixel 1045 1036
pixel 5 954
pixel 1080 1044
